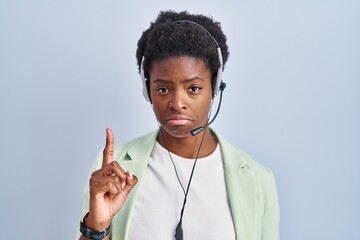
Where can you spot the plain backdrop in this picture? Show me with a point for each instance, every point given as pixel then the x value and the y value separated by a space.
pixel 68 71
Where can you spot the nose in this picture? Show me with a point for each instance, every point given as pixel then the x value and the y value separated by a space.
pixel 177 101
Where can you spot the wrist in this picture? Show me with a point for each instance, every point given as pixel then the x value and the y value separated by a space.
pixel 94 224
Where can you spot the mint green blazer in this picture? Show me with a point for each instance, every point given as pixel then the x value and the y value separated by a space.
pixel 251 189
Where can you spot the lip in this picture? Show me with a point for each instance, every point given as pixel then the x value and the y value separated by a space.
pixel 178 120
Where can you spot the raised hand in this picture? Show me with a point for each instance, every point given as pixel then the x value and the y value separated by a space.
pixel 109 188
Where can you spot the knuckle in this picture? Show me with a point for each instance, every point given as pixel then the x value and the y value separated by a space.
pixel 117 179
pixel 108 152
pixel 114 164
pixel 92 181
pixel 109 185
pixel 94 174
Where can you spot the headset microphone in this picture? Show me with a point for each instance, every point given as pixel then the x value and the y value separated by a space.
pixel 200 129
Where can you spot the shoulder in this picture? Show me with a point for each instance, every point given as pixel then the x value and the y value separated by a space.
pixel 234 158
pixel 242 170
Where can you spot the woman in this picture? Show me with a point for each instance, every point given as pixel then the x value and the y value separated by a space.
pixel 182 181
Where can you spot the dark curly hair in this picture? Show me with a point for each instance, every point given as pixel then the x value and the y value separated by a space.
pixel 166 38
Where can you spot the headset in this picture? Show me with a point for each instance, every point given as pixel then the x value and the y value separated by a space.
pixel 218 86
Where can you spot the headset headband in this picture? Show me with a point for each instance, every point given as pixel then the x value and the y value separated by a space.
pixel 218 75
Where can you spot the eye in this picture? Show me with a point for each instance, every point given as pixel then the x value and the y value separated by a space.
pixel 195 89
pixel 162 90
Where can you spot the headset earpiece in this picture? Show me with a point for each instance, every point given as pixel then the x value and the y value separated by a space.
pixel 145 83
pixel 213 84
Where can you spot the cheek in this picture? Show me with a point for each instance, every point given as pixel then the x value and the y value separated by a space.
pixel 203 108
pixel 159 108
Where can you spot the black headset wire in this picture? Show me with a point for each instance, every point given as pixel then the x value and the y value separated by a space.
pixel 179 229
pixel 173 163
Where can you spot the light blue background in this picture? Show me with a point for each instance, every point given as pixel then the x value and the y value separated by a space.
pixel 68 71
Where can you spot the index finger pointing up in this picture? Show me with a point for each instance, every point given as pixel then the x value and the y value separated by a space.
pixel 108 153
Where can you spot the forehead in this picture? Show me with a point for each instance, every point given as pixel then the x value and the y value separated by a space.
pixel 184 67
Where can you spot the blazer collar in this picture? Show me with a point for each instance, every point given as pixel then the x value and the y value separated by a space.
pixel 232 157
pixel 240 183
pixel 146 144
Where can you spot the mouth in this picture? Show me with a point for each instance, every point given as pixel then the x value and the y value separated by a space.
pixel 178 120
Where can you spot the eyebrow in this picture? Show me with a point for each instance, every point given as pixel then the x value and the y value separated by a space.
pixel 186 81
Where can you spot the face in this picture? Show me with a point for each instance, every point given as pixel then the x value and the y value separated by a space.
pixel 180 90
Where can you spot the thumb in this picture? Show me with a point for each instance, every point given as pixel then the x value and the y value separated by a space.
pixel 131 181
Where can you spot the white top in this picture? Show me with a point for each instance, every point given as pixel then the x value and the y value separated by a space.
pixel 157 211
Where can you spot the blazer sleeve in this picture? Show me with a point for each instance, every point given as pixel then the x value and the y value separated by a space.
pixel 86 193
pixel 271 218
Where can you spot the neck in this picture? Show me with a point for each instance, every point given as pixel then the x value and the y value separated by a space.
pixel 187 147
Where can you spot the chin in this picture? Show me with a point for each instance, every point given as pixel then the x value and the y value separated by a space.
pixel 177 132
